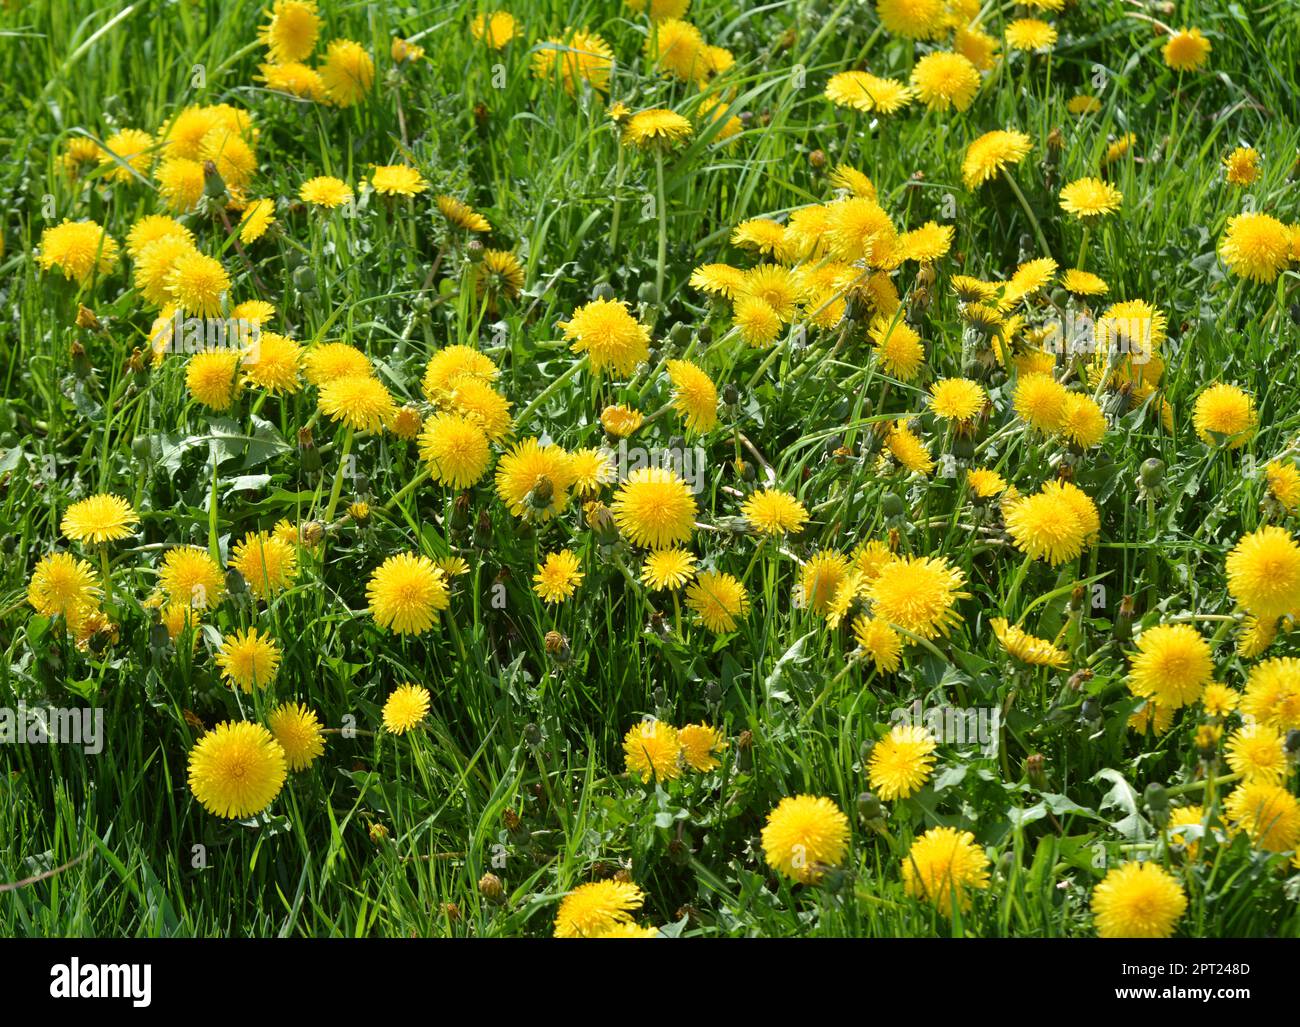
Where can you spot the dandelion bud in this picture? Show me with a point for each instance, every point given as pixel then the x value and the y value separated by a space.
pixel 1124 619
pixel 359 511
pixel 86 318
pixel 601 521
pixel 679 334
pixel 474 250
pixel 81 365
pixel 647 293
pixel 713 693
pixel 817 159
pixel 491 888
pixel 557 647
pixel 1036 770
pixel 312 533
pixel 869 808
pixel 452 912
pixel 1152 472
pixel 511 820
pixel 304 280
pixel 460 512
pixel 1156 797
pixel 532 735
pixel 214 186
pixel 602 291
pixel 378 834
pixel 892 505
pixel 730 395
pixel 1207 741
pixel 541 494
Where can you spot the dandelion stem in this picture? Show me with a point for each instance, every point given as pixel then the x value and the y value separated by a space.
pixel 338 476
pixel 1029 213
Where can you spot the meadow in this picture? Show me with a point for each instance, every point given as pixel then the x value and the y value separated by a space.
pixel 662 468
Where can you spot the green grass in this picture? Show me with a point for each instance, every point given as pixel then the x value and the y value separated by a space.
pixel 512 732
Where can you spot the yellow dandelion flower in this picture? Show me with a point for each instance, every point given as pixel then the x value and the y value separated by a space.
pixel 557 576
pixel 1268 813
pixel 943 867
pixel 1264 572
pixel 248 659
pixel 236 770
pixel 405 707
pixel 1027 648
pixel 595 909
pixel 879 641
pixel 608 333
pixel 100 518
pixel 1138 900
pixel 267 564
pixel 1172 665
pixel 455 449
pixel 359 401
pixel 348 72
pixel 298 730
pixel 397 180
pixel 805 835
pixel 654 508
pixel 944 80
pixel 60 585
pixel 652 749
pixel 1256 246
pixel 773 512
pixel 718 599
pixel 901 762
pixel 992 153
pixel 80 249
pixel 701 744
pixel 325 191
pixel 291 32
pixel 668 568
pixel 533 479
pixel 1186 50
pixel 1224 415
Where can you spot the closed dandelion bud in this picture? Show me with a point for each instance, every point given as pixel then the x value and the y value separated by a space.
pixel 869 808
pixel 491 888
pixel 713 693
pixel 892 505
pixel 511 820
pixel 532 735
pixel 647 293
pixel 214 186
pixel 963 446
pixel 359 511
pixel 1156 797
pixel 309 460
pixel 557 647
pixel 378 834
pixel 142 447
pixel 474 250
pixel 158 636
pixel 304 280
pixel 135 362
pixel 602 291
pixel 730 395
pixel 542 493
pixel 705 334
pixel 81 365
pixel 835 879
pixel 925 275
pixel 817 159
pixel 1207 741
pixel 745 470
pixel 1077 595
pixel 452 912
pixel 1152 473
pixel 659 624
pixel 1124 619
pixel 602 523
pixel 1090 710
pixel 1056 139
pixel 679 334
pixel 312 533
pixel 1036 770
pixel 235 583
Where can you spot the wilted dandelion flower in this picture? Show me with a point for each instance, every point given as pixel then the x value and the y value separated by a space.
pixel 581 57
pixel 773 512
pixel 325 191
pixel 99 518
pixel 1030 34
pixel 1171 665
pixel 348 72
pixel 718 599
pixel 298 730
pixel 533 479
pixel 945 80
pixel 1257 752
pixel 901 762
pixel 918 593
pixel 701 744
pixel 668 568
pixel 495 28
pixel 236 770
pixel 1138 900
pixel 595 909
pixel 558 576
pixel 1027 648
pixel 60 584
pixel 405 707
pixel 330 360
pixel 1268 813
pixel 291 32
pixel 397 180
pixel 879 641
pixel 1224 415
pixel 1090 198
pixel 80 249
pixel 1264 572
pixel 1186 50
pixel 943 867
pixel 805 835
pixel 656 128
pixel 609 334
pixel 359 401
pixel 654 508
pixel 406 592
pixel 652 749
pixel 267 564
pixel 455 449
pixel 1256 246
pixel 992 153
pixel 898 347
pixel 248 658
